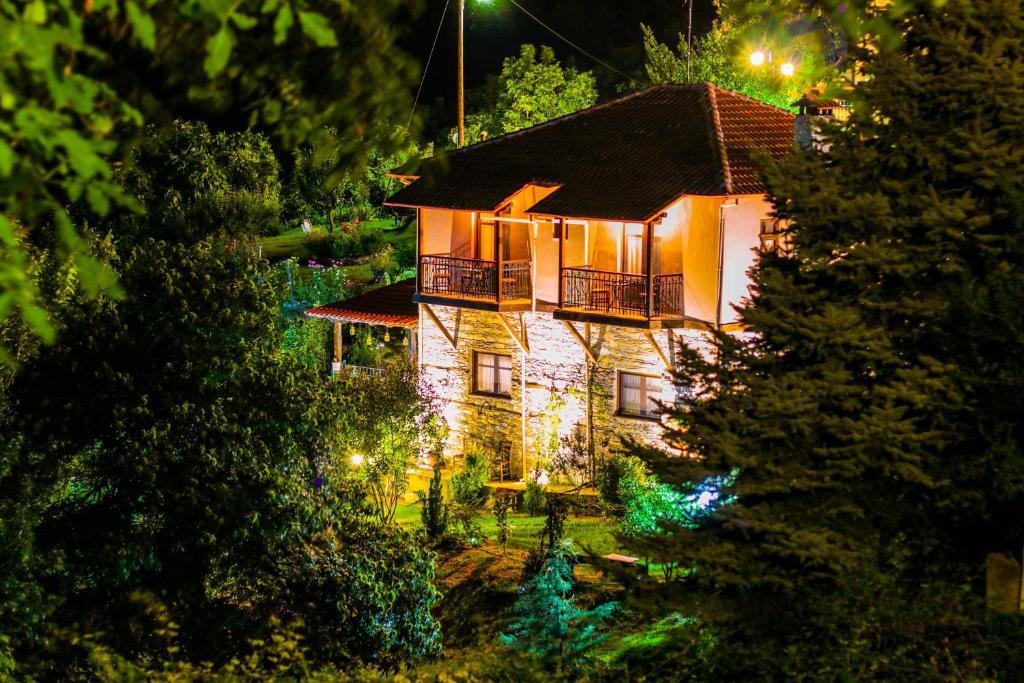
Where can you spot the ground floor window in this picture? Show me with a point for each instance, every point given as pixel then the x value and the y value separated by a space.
pixel 492 374
pixel 638 394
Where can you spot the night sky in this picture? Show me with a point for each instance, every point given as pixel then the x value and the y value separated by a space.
pixel 610 29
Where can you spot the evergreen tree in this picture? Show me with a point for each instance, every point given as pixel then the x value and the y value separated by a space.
pixel 434 513
pixel 873 413
pixel 548 624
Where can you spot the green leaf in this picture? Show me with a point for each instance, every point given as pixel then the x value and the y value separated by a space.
pixel 97 200
pixel 39 322
pixel 142 25
pixel 243 21
pixel 269 6
pixel 315 26
pixel 282 23
pixel 6 159
pixel 35 12
pixel 218 51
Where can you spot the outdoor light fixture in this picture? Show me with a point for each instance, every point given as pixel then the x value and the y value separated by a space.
pixel 757 58
pixel 787 69
pixel 356 459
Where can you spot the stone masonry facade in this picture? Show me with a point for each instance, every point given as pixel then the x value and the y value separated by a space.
pixel 549 389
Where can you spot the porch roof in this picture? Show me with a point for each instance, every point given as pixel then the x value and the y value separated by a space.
pixel 626 160
pixel 390 306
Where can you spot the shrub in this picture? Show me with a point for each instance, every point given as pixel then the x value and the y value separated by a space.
pixel 533 498
pixel 572 458
pixel 615 470
pixel 371 240
pixel 469 487
pixel 502 504
pixel 434 514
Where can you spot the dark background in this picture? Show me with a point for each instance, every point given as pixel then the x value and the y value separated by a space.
pixel 610 29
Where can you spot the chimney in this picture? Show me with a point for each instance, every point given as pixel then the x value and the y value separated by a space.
pixel 813 110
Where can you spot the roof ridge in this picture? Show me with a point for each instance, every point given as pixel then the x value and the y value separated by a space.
pixel 748 98
pixel 577 114
pixel 718 136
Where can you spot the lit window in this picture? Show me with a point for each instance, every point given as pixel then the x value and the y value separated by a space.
pixel 492 374
pixel 638 394
pixel 773 241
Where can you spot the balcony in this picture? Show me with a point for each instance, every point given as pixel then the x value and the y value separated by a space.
pixel 475 282
pixel 598 294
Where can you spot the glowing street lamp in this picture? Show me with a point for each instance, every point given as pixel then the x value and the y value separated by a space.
pixel 760 57
pixel 356 459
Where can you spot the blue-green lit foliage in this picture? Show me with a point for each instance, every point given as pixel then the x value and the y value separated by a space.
pixel 649 506
pixel 546 621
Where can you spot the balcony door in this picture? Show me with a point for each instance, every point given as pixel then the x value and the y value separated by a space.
pixel 633 251
pixel 485 239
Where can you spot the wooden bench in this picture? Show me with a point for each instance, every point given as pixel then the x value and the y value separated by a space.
pixel 627 562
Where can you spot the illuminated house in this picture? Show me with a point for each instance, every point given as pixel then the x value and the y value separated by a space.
pixel 560 267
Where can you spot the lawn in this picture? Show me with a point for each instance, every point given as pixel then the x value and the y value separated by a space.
pixel 295 243
pixel 593 534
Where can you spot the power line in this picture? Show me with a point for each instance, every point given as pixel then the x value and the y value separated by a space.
pixel 569 42
pixel 426 67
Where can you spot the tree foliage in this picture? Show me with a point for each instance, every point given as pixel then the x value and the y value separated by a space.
pixel 531 89
pixel 193 183
pixel 548 624
pixel 392 418
pixel 721 56
pixel 77 83
pixel 167 446
pixel 873 411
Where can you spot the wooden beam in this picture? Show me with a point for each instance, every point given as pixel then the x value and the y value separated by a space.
pixel 583 342
pixel 519 340
pixel 440 325
pixel 654 343
pixel 338 342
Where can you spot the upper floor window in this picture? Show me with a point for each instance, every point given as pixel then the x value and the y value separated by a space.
pixel 492 374
pixel 638 394
pixel 773 241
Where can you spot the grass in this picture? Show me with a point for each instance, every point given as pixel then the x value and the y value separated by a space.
pixel 295 243
pixel 588 534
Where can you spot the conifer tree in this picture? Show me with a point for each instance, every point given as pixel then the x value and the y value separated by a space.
pixel 546 621
pixel 873 413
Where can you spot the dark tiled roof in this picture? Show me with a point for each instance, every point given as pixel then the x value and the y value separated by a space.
pixel 626 159
pixel 390 306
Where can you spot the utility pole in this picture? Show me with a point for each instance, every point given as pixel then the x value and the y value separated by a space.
pixel 689 40
pixel 462 75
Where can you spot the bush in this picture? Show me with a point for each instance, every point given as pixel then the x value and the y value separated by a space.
pixel 572 459
pixel 434 514
pixel 533 498
pixel 615 470
pixel 371 240
pixel 469 487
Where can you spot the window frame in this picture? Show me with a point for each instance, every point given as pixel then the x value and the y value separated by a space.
pixel 622 411
pixel 496 379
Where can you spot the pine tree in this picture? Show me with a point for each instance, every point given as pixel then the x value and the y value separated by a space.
pixel 434 513
pixel 546 621
pixel 873 413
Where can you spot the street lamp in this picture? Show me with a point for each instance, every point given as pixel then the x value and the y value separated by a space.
pixel 759 57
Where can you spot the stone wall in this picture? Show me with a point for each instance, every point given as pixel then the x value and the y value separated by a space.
pixel 549 392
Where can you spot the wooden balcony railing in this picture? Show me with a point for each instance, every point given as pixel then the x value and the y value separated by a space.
pixel 624 294
pixel 474 278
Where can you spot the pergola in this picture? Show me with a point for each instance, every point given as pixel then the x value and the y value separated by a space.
pixel 391 307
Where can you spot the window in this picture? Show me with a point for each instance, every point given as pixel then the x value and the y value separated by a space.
pixel 492 374
pixel 638 394
pixel 773 241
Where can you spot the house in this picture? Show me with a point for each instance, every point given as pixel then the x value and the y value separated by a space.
pixel 561 267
